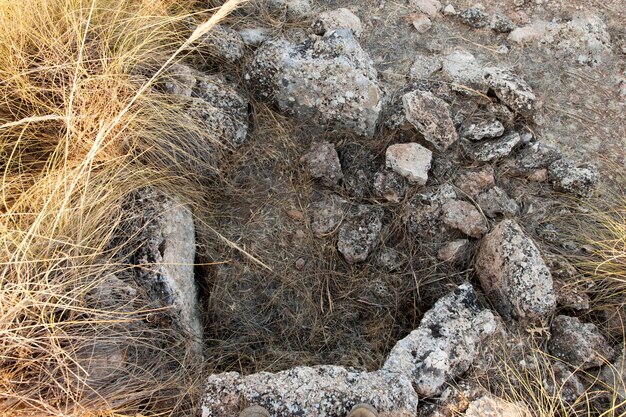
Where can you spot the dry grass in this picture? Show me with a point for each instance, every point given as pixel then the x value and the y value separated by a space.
pixel 81 128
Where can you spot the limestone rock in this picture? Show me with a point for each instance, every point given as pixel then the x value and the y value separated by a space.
pixel 490 406
pixel 465 73
pixel 428 7
pixel 338 19
pixel 454 252
pixel 359 234
pixel 489 150
pixel 329 80
pixel 474 17
pixel 390 186
pixel 474 182
pixel 327 214
pixel 511 89
pixel 431 117
pixel 495 201
pixel 514 275
pixel 484 129
pixel 445 344
pixel 578 344
pixel 411 160
pixel 465 217
pixel 566 176
pixel 322 162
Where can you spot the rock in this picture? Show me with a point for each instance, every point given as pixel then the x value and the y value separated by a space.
pixel 474 17
pixel 293 8
pixel 411 160
pixel 490 406
pixel 538 175
pixel 511 89
pixel 390 259
pixel 569 294
pixel 330 81
pixel 484 129
pixel 473 182
pixel 431 117
pixel 514 275
pixel 465 217
pixel 341 18
pixel 359 165
pixel 565 176
pixel 449 10
pixel 535 156
pixel 327 214
pixel 614 376
pixel 421 22
pixel 579 344
pixel 466 75
pixel 317 391
pixel 495 201
pixel 359 234
pixel 490 150
pixel 564 384
pixel 501 23
pixel 454 252
pixel 423 67
pixel 255 36
pixel 425 216
pixel 222 43
pixel 322 162
pixel 445 344
pixel 428 7
pixel 390 186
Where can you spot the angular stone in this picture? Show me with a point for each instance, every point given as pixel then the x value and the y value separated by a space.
pixel 579 344
pixel 338 19
pixel 474 17
pixel 565 176
pixel 495 201
pixel 474 182
pixel 327 214
pixel 359 234
pixel 411 160
pixel 484 129
pixel 511 89
pixel 421 22
pixel 431 117
pixel 222 43
pixel 322 162
pixel 489 150
pixel 514 275
pixel 293 8
pixel 490 406
pixel 454 252
pixel 449 10
pixel 535 156
pixel 390 186
pixel 465 217
pixel 445 344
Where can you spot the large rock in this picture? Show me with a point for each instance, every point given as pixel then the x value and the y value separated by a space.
pixel 511 89
pixel 483 129
pixel 222 43
pixel 329 80
pixel 430 115
pixel 514 275
pixel 411 160
pixel 318 391
pixel 359 234
pixel 445 344
pixel 495 201
pixel 579 344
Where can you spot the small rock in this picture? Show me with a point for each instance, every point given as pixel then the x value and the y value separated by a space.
pixel 428 7
pixel 474 17
pixel 501 23
pixel 565 176
pixel 293 8
pixel 495 201
pixel 511 89
pixel 564 384
pixel 474 182
pixel 431 117
pixel 465 217
pixel 411 160
pixel 484 129
pixel 466 75
pixel 222 43
pixel 445 344
pixel 423 67
pixel 614 376
pixel 359 234
pixel 425 214
pixel 390 259
pixel 538 175
pixel 255 36
pixel 421 22
pixel 489 150
pixel 490 406
pixel 579 344
pixel 327 214
pixel 296 215
pixel 322 162
pixel 300 263
pixel 514 275
pixel 449 10
pixel 569 294
pixel 454 252
pixel 390 186
pixel 535 156
pixel 337 19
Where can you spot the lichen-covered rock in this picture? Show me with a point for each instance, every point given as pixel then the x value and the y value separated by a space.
pixel 322 162
pixel 489 150
pixel 495 201
pixel 579 344
pixel 327 214
pixel 294 9
pixel 430 115
pixel 535 156
pixel 329 80
pixel 501 23
pixel 338 19
pixel 465 217
pixel 484 129
pixel 565 176
pixel 318 391
pixel 428 7
pixel 490 406
pixel 411 160
pixel 514 275
pixel 359 234
pixel 423 67
pixel 222 43
pixel 445 344
pixel 465 73
pixel 474 17
pixel 454 252
pixel 390 186
pixel 511 89
pixel 474 182
pixel 425 216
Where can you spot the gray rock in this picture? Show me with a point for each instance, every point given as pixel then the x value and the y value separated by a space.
pixel 501 23
pixel 423 67
pixel 511 89
pixel 431 117
pixel 428 7
pixel 474 182
pixel 565 176
pixel 489 150
pixel 465 217
pixel 449 10
pixel 327 214
pixel 390 259
pixel 425 220
pixel 390 186
pixel 514 275
pixel 445 344
pixel 338 19
pixel 563 384
pixel 465 73
pixel 491 406
pixel 474 17
pixel 322 162
pixel 454 252
pixel 495 201
pixel 579 344
pixel 535 156
pixel 411 160
pixel 359 234
pixel 255 36
pixel 329 80
pixel 293 8
pixel 614 376
pixel 421 22
pixel 222 43
pixel 484 129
